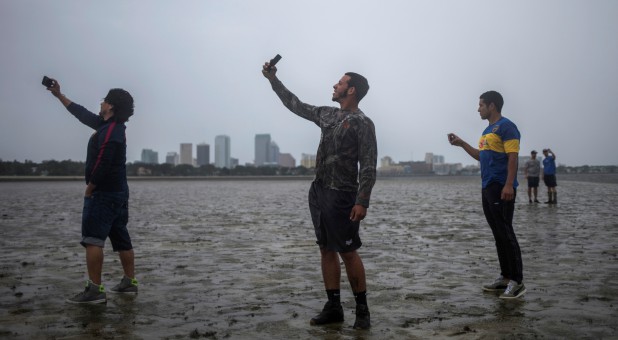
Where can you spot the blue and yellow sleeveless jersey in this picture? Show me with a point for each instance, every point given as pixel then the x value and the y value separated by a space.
pixel 497 141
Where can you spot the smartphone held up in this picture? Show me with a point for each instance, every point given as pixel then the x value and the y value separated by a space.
pixel 273 61
pixel 47 81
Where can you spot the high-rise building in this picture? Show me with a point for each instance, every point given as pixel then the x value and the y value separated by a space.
pixel 203 154
pixel 287 160
pixel 262 149
pixel 308 161
pixel 273 153
pixel 429 157
pixel 186 153
pixel 150 156
pixel 222 152
pixel 172 158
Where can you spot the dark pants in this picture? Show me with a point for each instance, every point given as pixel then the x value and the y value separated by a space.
pixel 499 215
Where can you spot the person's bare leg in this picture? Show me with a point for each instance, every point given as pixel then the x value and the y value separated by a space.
pixel 94 263
pixel 127 258
pixel 331 270
pixel 356 271
pixel 535 192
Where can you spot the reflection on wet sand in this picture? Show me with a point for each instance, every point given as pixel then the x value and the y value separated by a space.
pixel 237 259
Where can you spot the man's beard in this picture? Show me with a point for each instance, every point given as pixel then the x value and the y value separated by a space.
pixel 336 99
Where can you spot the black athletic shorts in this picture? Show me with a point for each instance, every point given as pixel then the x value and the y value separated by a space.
pixel 533 182
pixel 550 181
pixel 330 212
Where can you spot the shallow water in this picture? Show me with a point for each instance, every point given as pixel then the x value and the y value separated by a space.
pixel 237 259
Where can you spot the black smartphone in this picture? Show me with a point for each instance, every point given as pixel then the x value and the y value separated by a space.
pixel 274 61
pixel 47 81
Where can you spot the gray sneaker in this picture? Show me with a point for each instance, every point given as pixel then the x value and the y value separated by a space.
pixel 498 285
pixel 513 290
pixel 126 286
pixel 92 294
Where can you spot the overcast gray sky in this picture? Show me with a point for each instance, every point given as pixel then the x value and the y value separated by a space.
pixel 194 69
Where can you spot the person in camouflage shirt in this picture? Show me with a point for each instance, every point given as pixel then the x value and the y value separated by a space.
pixel 340 193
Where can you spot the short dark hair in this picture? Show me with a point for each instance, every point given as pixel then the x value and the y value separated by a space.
pixel 122 103
pixel 493 97
pixel 360 84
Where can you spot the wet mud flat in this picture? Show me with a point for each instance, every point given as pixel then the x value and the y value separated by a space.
pixel 237 260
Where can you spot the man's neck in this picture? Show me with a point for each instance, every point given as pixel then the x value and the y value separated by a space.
pixel 349 108
pixel 107 116
pixel 349 105
pixel 494 118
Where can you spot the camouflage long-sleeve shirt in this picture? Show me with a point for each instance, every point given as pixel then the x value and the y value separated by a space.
pixel 348 139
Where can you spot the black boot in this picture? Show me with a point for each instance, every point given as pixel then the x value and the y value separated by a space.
pixel 362 317
pixel 554 200
pixel 332 312
pixel 550 200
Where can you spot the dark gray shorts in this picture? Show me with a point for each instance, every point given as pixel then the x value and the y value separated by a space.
pixel 533 182
pixel 330 212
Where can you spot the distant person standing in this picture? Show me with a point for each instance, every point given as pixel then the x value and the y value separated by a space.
pixel 549 175
pixel 106 199
pixel 339 196
pixel 532 172
pixel 498 154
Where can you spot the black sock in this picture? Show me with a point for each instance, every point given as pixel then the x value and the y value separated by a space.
pixel 334 295
pixel 361 298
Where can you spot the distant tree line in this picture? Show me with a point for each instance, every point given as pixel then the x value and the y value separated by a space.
pixel 45 168
pixel 73 168
pixel 587 169
pixel 142 169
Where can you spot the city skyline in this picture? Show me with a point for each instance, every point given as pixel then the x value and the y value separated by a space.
pixel 263 151
pixel 263 140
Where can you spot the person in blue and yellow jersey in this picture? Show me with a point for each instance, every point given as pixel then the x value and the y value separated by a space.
pixel 497 152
